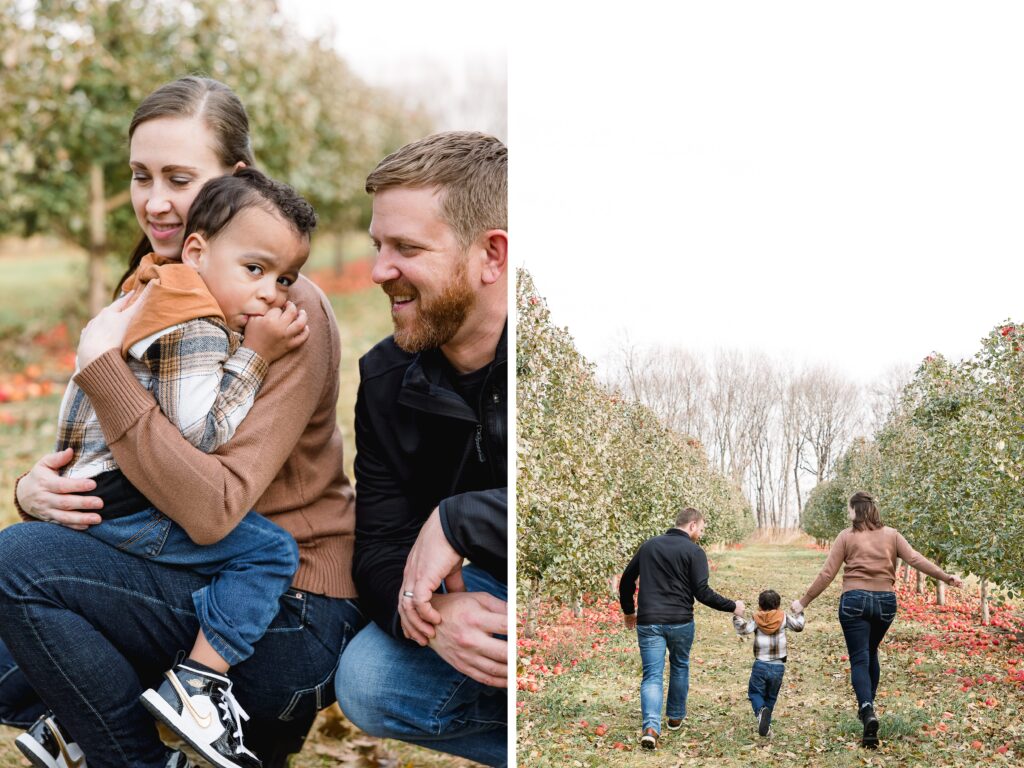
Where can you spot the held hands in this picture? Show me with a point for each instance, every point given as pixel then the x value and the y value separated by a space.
pixel 740 608
pixel 956 581
pixel 107 330
pixel 277 333
pixel 47 496
pixel 463 637
pixel 796 606
pixel 431 561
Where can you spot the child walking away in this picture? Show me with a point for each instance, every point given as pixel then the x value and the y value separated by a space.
pixel 769 629
pixel 246 239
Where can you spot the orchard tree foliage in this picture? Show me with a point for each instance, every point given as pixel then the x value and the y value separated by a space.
pixel 73 73
pixel 596 475
pixel 948 464
pixel 825 514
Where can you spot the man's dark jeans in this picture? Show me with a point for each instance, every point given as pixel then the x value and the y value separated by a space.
pixel 865 618
pixel 92 627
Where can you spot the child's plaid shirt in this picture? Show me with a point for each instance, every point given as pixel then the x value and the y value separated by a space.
pixel 202 379
pixel 768 647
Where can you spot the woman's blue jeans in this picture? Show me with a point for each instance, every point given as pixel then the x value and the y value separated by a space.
pixel 865 618
pixel 395 689
pixel 90 628
pixel 654 640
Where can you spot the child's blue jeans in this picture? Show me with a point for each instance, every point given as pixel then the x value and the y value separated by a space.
pixel 765 684
pixel 250 569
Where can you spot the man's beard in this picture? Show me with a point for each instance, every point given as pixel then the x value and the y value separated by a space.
pixel 436 320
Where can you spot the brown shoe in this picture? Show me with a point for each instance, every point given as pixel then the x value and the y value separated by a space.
pixel 675 723
pixel 650 739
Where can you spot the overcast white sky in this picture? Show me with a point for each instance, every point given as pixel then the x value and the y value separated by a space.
pixel 452 56
pixel 839 183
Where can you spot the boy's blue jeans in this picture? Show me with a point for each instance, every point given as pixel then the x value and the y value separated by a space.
pixel 398 690
pixel 765 684
pixel 654 639
pixel 865 618
pixel 249 570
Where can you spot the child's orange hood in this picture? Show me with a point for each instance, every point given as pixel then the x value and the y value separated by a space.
pixel 769 622
pixel 178 294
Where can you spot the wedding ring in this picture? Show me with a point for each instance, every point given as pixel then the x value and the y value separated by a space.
pixel 408 594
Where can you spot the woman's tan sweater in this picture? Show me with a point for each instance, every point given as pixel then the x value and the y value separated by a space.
pixel 284 461
pixel 869 560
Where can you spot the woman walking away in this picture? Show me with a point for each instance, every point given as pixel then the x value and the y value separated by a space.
pixel 867 607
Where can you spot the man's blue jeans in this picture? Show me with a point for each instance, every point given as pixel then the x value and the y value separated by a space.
pixel 765 684
pixel 865 618
pixel 90 628
pixel 249 570
pixel 398 690
pixel 654 639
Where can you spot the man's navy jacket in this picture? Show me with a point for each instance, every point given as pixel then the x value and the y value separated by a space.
pixel 673 571
pixel 415 439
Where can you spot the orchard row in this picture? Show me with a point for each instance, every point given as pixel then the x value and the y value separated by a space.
pixel 948 465
pixel 596 474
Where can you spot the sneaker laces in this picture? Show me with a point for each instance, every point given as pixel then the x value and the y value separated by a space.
pixel 229 704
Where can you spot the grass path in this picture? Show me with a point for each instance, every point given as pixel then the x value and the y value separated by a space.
pixel 590 714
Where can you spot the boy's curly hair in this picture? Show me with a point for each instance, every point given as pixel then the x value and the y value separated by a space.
pixel 768 600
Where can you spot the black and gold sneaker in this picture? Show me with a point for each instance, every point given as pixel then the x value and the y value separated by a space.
pixel 46 745
pixel 198 706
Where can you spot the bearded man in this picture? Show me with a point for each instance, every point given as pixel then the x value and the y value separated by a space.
pixel 431 546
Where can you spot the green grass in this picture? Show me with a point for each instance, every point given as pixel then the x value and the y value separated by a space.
pixel 814 722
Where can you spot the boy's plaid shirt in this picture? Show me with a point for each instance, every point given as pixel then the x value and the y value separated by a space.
pixel 768 647
pixel 204 381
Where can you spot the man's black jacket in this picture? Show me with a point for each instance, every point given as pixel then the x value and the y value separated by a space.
pixel 673 571
pixel 415 439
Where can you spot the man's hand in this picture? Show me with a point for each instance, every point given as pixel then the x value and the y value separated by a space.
pixel 630 621
pixel 431 561
pixel 796 606
pixel 464 639
pixel 277 333
pixel 740 608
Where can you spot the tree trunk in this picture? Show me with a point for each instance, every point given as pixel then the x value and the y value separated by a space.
pixel 906 572
pixel 339 255
pixel 577 607
pixel 97 280
pixel 940 593
pixel 984 602
pixel 532 606
pixel 920 583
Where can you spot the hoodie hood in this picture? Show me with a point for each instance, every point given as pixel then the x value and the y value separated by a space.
pixel 178 295
pixel 769 622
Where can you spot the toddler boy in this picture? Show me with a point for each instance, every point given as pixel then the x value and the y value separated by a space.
pixel 769 629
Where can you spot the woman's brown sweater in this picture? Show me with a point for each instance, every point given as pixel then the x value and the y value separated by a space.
pixel 869 557
pixel 284 461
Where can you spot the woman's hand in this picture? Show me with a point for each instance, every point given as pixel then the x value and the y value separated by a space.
pixel 45 495
pixel 277 333
pixel 107 330
pixel 956 581
pixel 796 606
